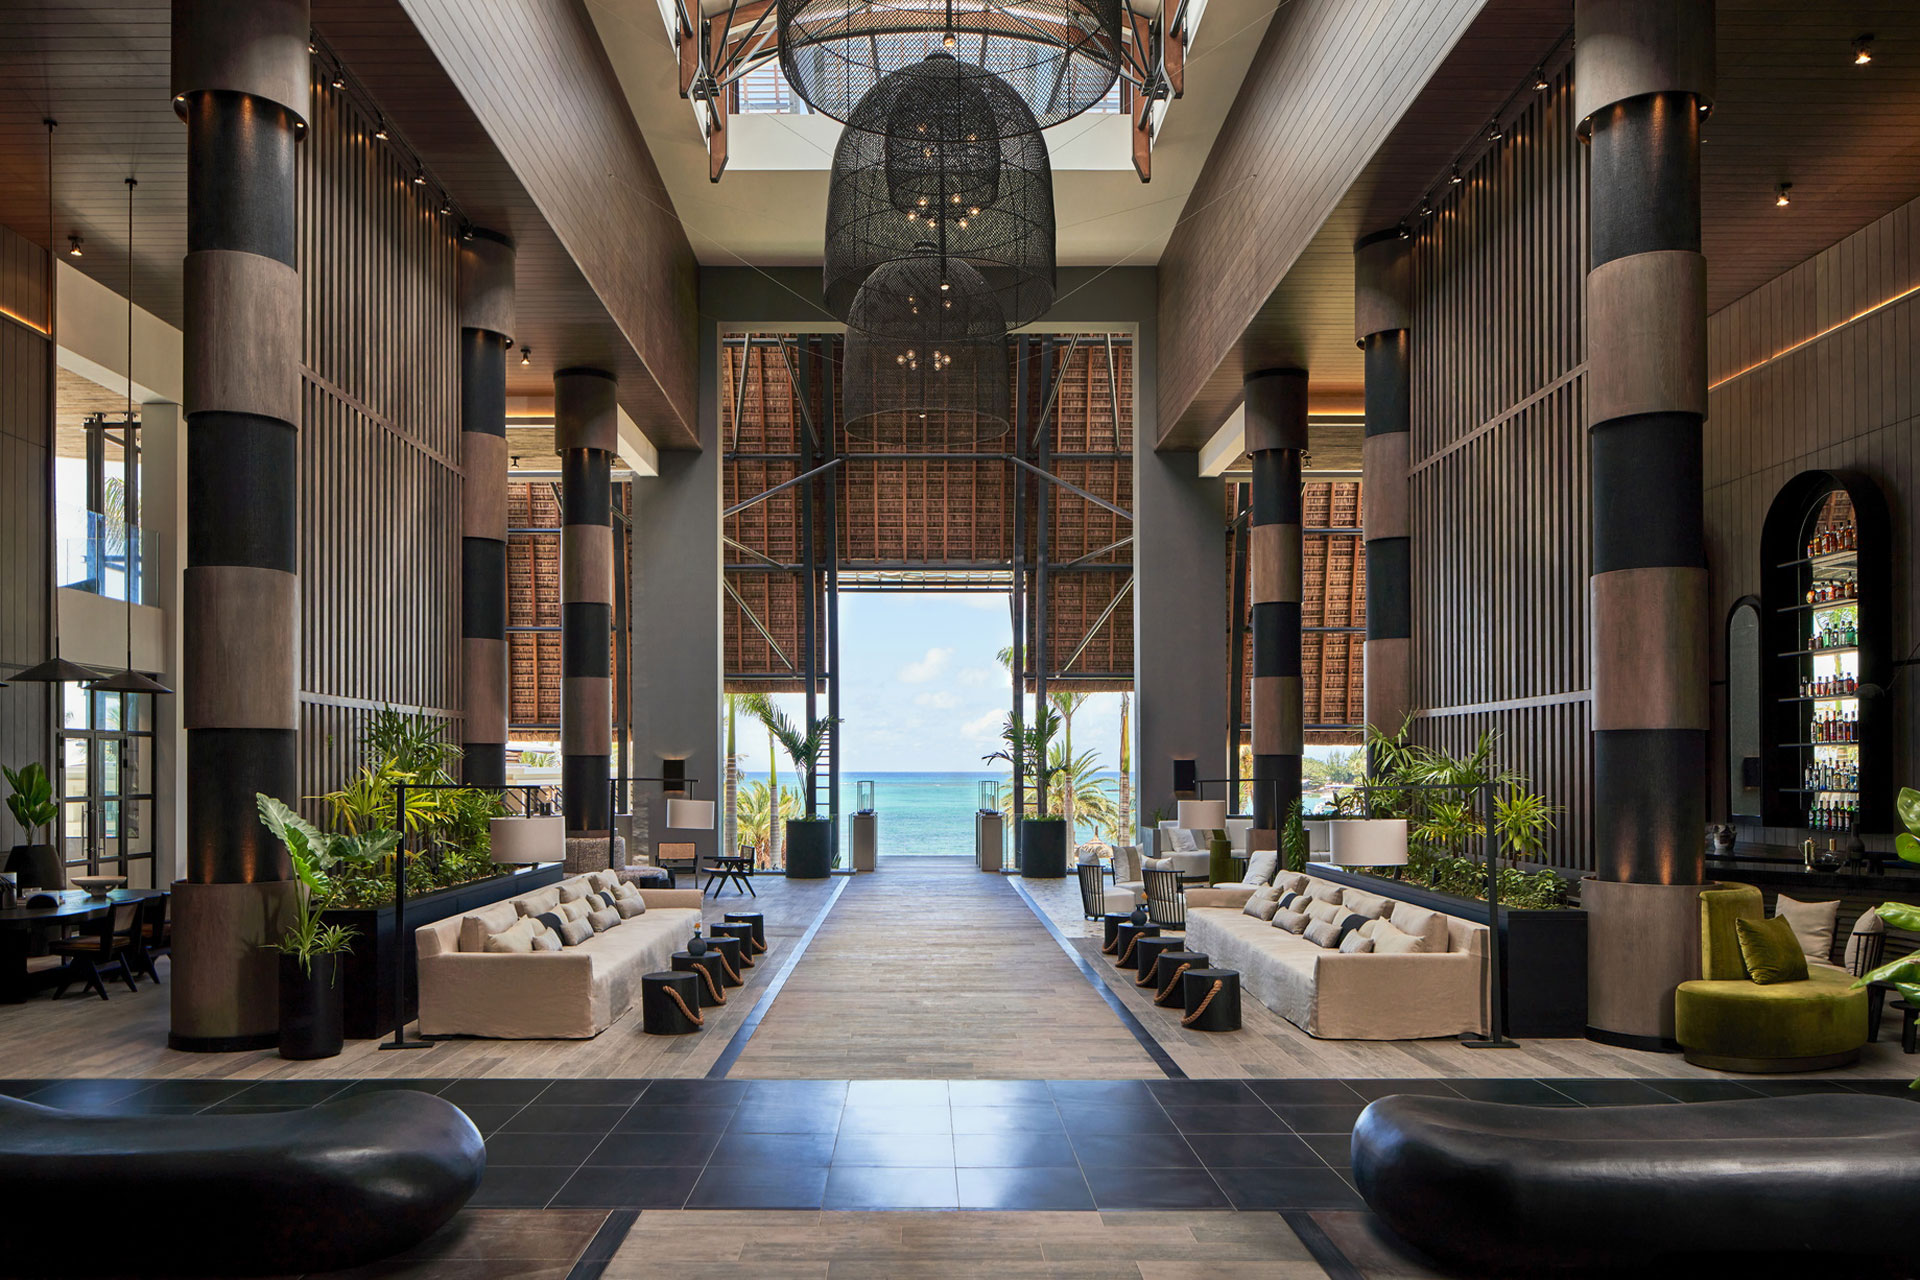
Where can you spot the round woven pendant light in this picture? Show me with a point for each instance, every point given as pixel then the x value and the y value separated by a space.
pixel 914 391
pixel 926 297
pixel 911 170
pixel 1059 56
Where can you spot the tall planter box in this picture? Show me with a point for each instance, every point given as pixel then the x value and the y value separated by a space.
pixel 1543 954
pixel 1043 848
pixel 809 848
pixel 366 977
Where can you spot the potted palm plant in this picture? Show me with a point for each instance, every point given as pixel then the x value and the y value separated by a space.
pixel 311 1017
pixel 35 864
pixel 809 839
pixel 1043 837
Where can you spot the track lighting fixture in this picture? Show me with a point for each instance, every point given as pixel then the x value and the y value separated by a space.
pixel 1406 232
pixel 1453 178
pixel 1426 206
pixel 1540 79
pixel 1494 132
pixel 1862 50
pixel 466 231
pixel 313 46
pixel 339 80
pixel 380 130
pixel 1780 197
pixel 73 246
pixel 526 356
pixel 419 177
pixel 446 205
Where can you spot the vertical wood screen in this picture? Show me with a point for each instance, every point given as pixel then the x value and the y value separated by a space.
pixel 1499 476
pixel 379 444
pixel 25 558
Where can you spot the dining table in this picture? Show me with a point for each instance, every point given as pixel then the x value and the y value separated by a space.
pixel 21 926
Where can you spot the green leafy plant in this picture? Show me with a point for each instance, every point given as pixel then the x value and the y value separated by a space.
pixel 31 799
pixel 1903 975
pixel 803 748
pixel 1293 838
pixel 314 853
pixel 1028 747
pixel 1907 843
pixel 411 744
pixel 1522 819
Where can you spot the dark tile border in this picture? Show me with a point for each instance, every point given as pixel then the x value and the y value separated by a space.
pixel 1321 1246
pixel 592 1262
pixel 731 1054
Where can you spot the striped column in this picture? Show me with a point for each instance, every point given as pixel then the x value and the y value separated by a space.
pixel 486 331
pixel 1382 310
pixel 240 82
pixel 1276 418
pixel 586 432
pixel 1643 73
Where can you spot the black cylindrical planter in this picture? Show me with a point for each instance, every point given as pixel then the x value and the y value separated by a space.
pixel 1110 931
pixel 741 932
pixel 713 984
pixel 660 1013
pixel 809 848
pixel 1146 958
pixel 1207 1009
pixel 1166 981
pixel 310 1007
pixel 1127 954
pixel 758 923
pixel 1043 848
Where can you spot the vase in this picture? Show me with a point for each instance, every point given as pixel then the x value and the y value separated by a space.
pixel 310 1007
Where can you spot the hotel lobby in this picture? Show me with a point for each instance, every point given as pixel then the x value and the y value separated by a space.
pixel 441 443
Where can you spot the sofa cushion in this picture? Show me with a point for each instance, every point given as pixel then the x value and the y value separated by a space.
pixel 1262 903
pixel 1324 934
pixel 604 881
pixel 1771 951
pixel 576 887
pixel 1291 921
pixel 1391 940
pixel 575 909
pixel 1370 905
pixel 1429 926
pixel 515 938
pixel 1260 867
pixel 1812 924
pixel 1356 943
pixel 630 907
pixel 575 932
pixel 1324 890
pixel 1183 841
pixel 477 926
pixel 539 902
pixel 547 940
pixel 1324 909
pixel 1290 881
pixel 1351 923
pixel 604 919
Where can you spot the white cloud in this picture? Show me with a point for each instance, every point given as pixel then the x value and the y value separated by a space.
pixel 926 668
pixel 982 677
pixel 984 727
pixel 938 701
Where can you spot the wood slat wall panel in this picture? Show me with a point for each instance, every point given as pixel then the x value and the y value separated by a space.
pixel 25 558
pixel 1845 400
pixel 379 444
pixel 1498 489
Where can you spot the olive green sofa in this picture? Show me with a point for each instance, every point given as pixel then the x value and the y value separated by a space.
pixel 1725 1021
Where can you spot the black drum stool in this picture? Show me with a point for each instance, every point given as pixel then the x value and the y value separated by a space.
pixel 1126 937
pixel 759 923
pixel 1110 930
pixel 1212 998
pixel 1168 970
pixel 669 1003
pixel 741 933
pixel 729 952
pixel 1146 955
pixel 711 972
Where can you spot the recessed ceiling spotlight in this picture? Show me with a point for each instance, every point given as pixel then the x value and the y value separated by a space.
pixel 73 246
pixel 1540 79
pixel 1863 50
pixel 1780 197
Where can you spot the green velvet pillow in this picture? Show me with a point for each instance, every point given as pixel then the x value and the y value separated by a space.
pixel 1771 951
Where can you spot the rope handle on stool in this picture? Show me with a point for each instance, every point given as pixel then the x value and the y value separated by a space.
pixel 1160 998
pixel 1129 951
pixel 1108 948
pixel 692 1017
pixel 1146 974
pixel 1194 1017
pixel 733 975
pixel 706 976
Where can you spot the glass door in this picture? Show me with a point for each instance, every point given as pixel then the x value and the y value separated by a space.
pixel 106 787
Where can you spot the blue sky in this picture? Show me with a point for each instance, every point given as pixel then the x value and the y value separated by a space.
pixel 921 690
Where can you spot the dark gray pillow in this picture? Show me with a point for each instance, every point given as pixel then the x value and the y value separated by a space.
pixel 552 920
pixel 1348 925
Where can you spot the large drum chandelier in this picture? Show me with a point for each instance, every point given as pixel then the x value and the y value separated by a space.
pixel 1059 56
pixel 924 167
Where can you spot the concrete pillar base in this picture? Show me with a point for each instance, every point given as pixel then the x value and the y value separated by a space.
pixel 226 979
pixel 1643 940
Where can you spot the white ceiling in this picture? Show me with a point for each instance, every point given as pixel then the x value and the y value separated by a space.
pixel 770 208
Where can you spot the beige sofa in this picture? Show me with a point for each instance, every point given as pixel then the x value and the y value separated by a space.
pixel 572 994
pixel 1336 996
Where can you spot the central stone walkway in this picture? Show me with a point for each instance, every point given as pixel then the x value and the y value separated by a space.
pixel 931 970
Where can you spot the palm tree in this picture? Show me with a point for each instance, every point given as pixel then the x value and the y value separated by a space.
pixel 1078 788
pixel 1122 828
pixel 802 748
pixel 1027 747
pixel 730 837
pixel 1066 704
pixel 760 821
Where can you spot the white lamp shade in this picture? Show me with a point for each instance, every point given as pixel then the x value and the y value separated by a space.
pixel 1202 815
pixel 1317 834
pixel 1369 842
pixel 525 840
pixel 690 815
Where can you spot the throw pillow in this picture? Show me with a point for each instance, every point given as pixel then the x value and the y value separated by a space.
pixel 1812 924
pixel 551 921
pixel 476 928
pixel 1771 951
pixel 1356 944
pixel 1290 901
pixel 1351 924
pixel 574 888
pixel 1261 866
pixel 604 881
pixel 575 932
pixel 1370 905
pixel 1429 926
pixel 1290 881
pixel 1261 903
pixel 626 889
pixel 539 902
pixel 515 939
pixel 1291 921
pixel 1325 890
pixel 547 940
pixel 630 907
pixel 1324 934
pixel 1183 841
pixel 1321 909
pixel 1865 930
pixel 574 910
pixel 604 919
pixel 1391 940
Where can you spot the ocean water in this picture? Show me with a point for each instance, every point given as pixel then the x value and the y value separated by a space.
pixel 923 814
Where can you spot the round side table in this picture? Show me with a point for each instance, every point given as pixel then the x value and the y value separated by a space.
pixel 1146 955
pixel 759 923
pixel 1171 966
pixel 1125 938
pixel 711 973
pixel 1212 999
pixel 670 1003
pixel 741 933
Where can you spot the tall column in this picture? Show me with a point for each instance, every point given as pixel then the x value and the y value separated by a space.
pixel 486 332
pixel 1643 74
pixel 1382 311
pixel 240 82
pixel 1276 417
pixel 586 432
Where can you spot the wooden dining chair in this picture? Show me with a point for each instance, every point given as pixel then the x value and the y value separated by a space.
pixel 100 947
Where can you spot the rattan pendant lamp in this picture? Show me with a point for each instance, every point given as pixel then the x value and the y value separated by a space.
pixel 920 164
pixel 926 354
pixel 1060 56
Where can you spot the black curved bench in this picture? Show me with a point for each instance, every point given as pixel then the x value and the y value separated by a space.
pixel 1497 1189
pixel 337 1185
